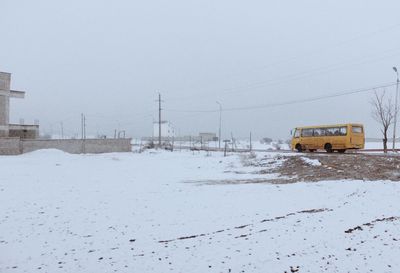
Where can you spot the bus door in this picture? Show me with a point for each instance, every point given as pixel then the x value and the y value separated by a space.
pixel 357 135
pixel 319 138
pixel 307 138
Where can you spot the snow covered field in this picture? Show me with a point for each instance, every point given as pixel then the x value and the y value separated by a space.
pixel 150 212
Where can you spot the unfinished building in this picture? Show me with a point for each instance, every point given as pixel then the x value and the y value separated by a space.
pixel 12 130
pixel 20 138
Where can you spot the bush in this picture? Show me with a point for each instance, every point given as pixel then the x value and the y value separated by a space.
pixel 266 140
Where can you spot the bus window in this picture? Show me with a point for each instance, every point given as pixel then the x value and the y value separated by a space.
pixel 306 132
pixel 343 131
pixel 297 133
pixel 330 131
pixel 336 131
pixel 319 132
pixel 357 129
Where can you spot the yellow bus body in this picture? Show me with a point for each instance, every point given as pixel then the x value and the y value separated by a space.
pixel 338 137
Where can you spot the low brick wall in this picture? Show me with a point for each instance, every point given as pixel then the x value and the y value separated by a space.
pixel 10 146
pixel 78 146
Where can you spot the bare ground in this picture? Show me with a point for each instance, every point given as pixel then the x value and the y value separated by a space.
pixel 341 167
pixel 297 168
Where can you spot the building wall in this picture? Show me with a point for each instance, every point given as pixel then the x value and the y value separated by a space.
pixel 4 103
pixel 10 146
pixel 24 131
pixel 208 136
pixel 4 108
pixel 3 130
pixel 166 129
pixel 78 146
pixel 24 134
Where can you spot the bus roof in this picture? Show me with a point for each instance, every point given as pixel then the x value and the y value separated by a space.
pixel 331 125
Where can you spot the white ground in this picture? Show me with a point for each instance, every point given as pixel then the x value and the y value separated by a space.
pixel 107 213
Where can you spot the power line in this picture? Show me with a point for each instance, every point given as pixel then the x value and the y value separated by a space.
pixel 311 99
pixel 312 52
pixel 304 74
pixel 309 53
pixel 262 106
pixel 119 116
pixel 310 72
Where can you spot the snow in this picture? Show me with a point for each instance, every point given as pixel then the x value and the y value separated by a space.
pixel 312 162
pixel 150 212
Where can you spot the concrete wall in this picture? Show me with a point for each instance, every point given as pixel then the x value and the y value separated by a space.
pixel 78 146
pixel 10 146
pixel 4 103
pixel 24 131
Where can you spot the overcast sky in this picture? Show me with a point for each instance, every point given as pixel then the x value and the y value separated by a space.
pixel 108 59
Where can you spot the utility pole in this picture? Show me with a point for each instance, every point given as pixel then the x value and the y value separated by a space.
pixel 159 120
pixel 233 141
pixel 251 147
pixel 220 123
pixel 83 128
pixel 152 132
pixel 395 109
pixel 62 130
pixel 82 125
pixel 225 148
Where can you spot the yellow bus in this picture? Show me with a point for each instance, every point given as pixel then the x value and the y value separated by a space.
pixel 339 137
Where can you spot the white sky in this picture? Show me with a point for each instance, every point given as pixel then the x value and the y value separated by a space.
pixel 108 59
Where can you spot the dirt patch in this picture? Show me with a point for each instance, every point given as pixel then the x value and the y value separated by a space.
pixel 252 225
pixel 243 181
pixel 340 167
pixel 313 167
pixel 372 223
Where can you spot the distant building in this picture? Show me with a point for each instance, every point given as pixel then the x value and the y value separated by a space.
pixel 7 129
pixel 167 130
pixel 208 136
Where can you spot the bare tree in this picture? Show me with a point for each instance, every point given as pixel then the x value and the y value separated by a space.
pixel 383 112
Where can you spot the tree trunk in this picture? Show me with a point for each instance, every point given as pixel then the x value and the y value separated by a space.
pixel 385 142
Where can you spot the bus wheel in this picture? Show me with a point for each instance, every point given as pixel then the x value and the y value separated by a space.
pixel 341 151
pixel 328 148
pixel 298 148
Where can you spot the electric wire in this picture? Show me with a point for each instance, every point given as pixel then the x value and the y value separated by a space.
pixel 262 106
